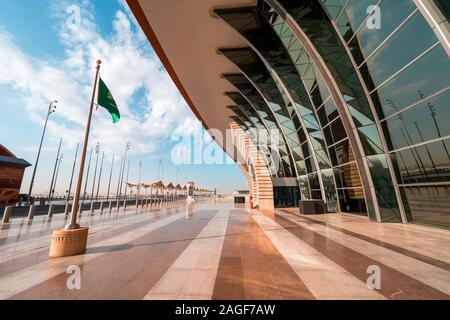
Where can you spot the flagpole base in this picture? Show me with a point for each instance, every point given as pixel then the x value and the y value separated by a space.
pixel 68 242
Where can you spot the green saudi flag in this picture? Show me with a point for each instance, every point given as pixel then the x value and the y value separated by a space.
pixel 106 100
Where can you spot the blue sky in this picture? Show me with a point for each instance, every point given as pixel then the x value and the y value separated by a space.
pixel 48 51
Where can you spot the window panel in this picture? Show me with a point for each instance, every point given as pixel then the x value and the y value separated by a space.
pixel 398 52
pixel 430 74
pixel 393 12
pixel 429 120
pixel 424 164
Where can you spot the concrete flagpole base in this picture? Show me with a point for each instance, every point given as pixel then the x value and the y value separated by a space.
pixel 68 242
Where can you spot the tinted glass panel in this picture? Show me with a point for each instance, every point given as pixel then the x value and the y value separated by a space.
pixel 425 163
pixel 429 75
pixel 429 205
pixel 398 52
pixel 393 13
pixel 426 121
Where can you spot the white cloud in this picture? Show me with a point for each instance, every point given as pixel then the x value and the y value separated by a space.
pixel 129 66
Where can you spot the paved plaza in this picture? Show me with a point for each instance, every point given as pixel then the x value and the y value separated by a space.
pixel 222 251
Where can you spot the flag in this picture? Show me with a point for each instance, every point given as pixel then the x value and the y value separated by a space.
pixel 106 100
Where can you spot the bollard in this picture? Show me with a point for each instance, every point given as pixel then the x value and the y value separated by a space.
pixel 7 214
pixel 80 210
pixel 50 211
pixel 31 212
pixel 137 203
pixel 101 207
pixel 92 207
pixel 110 206
pixel 67 209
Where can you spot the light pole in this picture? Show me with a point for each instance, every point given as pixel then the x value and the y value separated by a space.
pixel 54 169
pixel 51 109
pixel 126 183
pixel 139 180
pixel 87 175
pixel 119 178
pixel 110 176
pixel 100 176
pixel 97 151
pixel 127 147
pixel 56 177
pixel 73 171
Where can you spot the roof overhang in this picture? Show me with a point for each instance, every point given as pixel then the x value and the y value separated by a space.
pixel 186 36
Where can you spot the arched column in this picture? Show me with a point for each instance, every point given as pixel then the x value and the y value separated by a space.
pixel 255 167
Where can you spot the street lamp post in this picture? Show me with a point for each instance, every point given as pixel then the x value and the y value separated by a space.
pixel 127 147
pixel 87 175
pixel 54 170
pixel 118 179
pixel 100 176
pixel 56 176
pixel 97 151
pixel 139 180
pixel 73 171
pixel 110 177
pixel 126 183
pixel 51 109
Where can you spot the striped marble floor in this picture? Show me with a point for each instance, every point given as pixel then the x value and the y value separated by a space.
pixel 219 251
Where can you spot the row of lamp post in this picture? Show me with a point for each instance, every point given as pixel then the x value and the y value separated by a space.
pixel 59 158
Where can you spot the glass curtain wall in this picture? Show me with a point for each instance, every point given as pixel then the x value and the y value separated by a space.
pixel 308 99
pixel 254 98
pixel 406 71
pixel 313 21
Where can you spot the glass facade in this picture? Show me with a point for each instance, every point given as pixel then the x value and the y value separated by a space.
pixel 286 197
pixel 325 76
pixel 406 71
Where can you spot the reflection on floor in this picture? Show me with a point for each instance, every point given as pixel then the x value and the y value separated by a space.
pixel 219 251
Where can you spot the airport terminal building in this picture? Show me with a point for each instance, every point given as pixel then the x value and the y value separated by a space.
pixel 358 90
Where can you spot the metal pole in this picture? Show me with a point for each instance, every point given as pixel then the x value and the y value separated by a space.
pixel 110 177
pixel 119 178
pixel 54 169
pixel 51 109
pixel 100 176
pixel 97 151
pixel 73 171
pixel 56 177
pixel 73 219
pixel 139 180
pixel 127 147
pixel 126 183
pixel 87 176
pixel 433 115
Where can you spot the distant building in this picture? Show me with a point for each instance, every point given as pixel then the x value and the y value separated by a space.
pixel 11 175
pixel 241 196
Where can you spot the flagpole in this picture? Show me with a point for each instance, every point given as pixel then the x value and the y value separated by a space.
pixel 76 200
